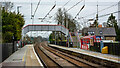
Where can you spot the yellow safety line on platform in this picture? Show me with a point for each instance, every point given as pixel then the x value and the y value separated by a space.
pixel 24 55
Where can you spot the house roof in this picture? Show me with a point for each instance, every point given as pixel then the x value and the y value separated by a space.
pixel 104 31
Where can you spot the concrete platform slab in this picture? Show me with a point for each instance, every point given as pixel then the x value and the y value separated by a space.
pixel 108 57
pixel 23 58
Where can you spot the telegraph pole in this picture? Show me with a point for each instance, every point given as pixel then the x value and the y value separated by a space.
pixel 97 15
pixel 97 19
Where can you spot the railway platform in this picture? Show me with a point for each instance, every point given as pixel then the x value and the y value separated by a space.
pixel 23 58
pixel 100 56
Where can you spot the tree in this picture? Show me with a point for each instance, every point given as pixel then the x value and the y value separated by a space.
pixel 12 24
pixel 59 16
pixel 7 5
pixel 63 18
pixel 112 22
pixel 95 23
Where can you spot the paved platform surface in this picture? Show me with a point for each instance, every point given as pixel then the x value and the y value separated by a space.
pixel 108 57
pixel 23 58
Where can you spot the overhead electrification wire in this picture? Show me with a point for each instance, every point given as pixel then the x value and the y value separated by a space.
pixel 102 15
pixel 74 5
pixel 108 14
pixel 100 10
pixel 62 7
pixel 49 11
pixel 109 7
pixel 66 3
pixel 36 7
pixel 80 11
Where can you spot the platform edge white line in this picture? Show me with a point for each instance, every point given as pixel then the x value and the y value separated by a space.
pixel 37 58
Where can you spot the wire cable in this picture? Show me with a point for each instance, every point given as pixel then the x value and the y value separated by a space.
pixel 100 10
pixel 61 7
pixel 103 15
pixel 66 3
pixel 80 11
pixel 36 8
pixel 49 12
pixel 108 14
pixel 74 5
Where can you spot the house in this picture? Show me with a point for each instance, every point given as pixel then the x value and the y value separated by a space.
pixel 106 33
pixel 80 33
pixel 85 31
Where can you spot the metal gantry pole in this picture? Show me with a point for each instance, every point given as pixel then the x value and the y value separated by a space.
pixel 61 36
pixel 31 18
pixel 68 38
pixel 32 26
pixel 77 40
pixel 68 34
pixel 55 35
pixel 48 31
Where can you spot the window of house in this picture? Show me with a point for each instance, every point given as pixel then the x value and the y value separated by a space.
pixel 93 33
pixel 100 32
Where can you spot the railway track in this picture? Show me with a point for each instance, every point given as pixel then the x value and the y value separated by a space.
pixel 55 58
pixel 43 58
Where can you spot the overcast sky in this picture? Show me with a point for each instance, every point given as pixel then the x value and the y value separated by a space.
pixel 60 0
pixel 46 5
